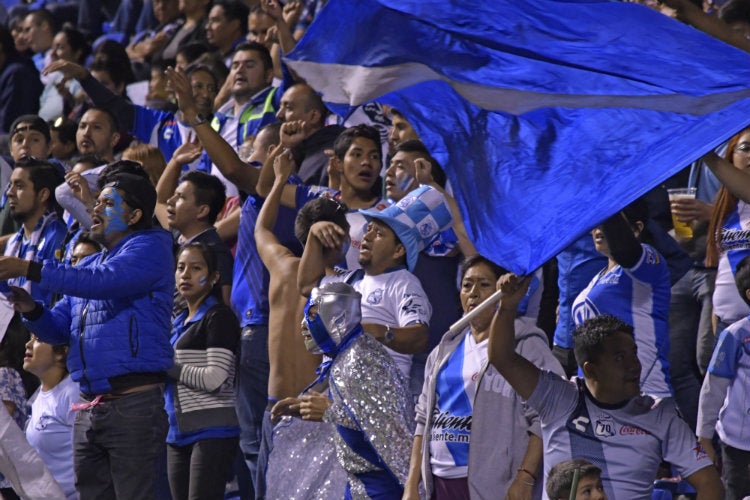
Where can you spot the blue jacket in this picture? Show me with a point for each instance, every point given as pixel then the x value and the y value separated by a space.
pixel 115 311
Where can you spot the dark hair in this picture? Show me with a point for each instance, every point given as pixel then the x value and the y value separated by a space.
pixel 192 51
pixel 396 112
pixel 274 129
pixel 65 128
pixel 93 160
pixel 344 141
pixel 12 349
pixel 588 339
pixel 44 16
pixel 638 211
pixel 735 11
pixel 119 167
pixel 258 48
pixel 135 185
pixel 114 125
pixel 212 262
pixel 560 478
pixel 235 11
pixel 209 190
pixel 194 68
pixel 111 57
pixel 85 239
pixel 477 259
pixel 77 41
pixel 742 278
pixel 417 146
pixel 320 209
pixel 35 122
pixel 42 175
pixel 8 43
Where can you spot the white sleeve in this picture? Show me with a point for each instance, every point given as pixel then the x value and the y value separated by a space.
pixel 413 305
pixel 713 393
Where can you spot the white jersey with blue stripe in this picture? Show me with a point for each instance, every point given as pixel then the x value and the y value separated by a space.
pixel 628 442
pixel 731 360
pixel 455 388
pixel 639 296
pixel 734 245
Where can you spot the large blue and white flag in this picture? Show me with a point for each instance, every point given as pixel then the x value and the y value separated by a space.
pixel 548 116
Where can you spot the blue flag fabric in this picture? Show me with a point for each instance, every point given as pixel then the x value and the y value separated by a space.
pixel 547 116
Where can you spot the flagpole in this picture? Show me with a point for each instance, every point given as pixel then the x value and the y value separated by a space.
pixel 463 322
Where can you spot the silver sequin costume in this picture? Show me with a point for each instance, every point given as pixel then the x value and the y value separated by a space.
pixel 366 385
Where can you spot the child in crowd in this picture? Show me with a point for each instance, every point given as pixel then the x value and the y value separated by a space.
pixel 575 479
pixel 723 398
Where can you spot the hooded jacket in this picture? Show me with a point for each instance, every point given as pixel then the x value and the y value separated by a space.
pixel 496 451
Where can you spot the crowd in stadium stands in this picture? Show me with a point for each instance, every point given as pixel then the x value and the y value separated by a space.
pixel 214 287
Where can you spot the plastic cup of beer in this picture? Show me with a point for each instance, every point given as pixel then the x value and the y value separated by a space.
pixel 681 229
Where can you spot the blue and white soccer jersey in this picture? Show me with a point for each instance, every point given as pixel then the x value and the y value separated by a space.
pixel 357 221
pixel 734 245
pixel 627 442
pixel 163 130
pixel 455 388
pixel 638 296
pixel 731 360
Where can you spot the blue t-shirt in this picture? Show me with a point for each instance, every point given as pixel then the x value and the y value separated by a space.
pixel 250 278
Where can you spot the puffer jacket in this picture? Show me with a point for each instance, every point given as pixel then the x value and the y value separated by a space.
pixel 115 311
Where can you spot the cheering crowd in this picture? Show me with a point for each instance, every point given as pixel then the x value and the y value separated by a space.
pixel 212 286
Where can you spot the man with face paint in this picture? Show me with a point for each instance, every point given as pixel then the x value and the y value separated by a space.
pixel 370 402
pixel 115 314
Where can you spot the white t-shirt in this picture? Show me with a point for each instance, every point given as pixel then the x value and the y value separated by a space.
pixel 627 442
pixel 50 431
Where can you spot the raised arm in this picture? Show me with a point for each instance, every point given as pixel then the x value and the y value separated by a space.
pixel 520 373
pixel 187 153
pixel 268 244
pixel 284 33
pixel 292 134
pixel 99 94
pixel 736 180
pixel 312 265
pixel 221 153
pixel 693 15
pixel 424 176
pixel 623 245
pixel 267 178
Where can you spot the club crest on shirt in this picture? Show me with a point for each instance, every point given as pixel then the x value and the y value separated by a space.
pixel 375 297
pixel 584 310
pixel 652 256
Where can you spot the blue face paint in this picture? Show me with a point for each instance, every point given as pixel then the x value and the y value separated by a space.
pixel 114 215
pixel 405 182
pixel 202 280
